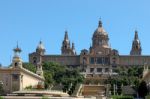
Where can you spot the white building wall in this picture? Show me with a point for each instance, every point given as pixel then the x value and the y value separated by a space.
pixel 28 80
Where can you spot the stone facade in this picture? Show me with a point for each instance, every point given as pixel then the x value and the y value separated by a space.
pixel 99 58
pixel 17 78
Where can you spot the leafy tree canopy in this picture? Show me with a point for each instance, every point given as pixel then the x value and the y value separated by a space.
pixel 57 74
pixel 30 67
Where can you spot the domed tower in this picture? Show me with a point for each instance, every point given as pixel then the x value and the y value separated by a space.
pixel 40 48
pixel 100 37
pixel 17 61
pixel 100 41
pixel 136 45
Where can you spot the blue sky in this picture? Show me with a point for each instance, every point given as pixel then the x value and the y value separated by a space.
pixel 28 21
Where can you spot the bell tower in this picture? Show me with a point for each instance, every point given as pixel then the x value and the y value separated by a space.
pixel 40 48
pixel 17 61
pixel 136 45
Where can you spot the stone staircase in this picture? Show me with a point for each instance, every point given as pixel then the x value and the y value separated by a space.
pixel 93 90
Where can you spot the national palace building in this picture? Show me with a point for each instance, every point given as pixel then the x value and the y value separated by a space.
pixel 96 63
pixel 99 58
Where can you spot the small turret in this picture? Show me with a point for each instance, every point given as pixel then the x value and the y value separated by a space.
pixel 73 49
pixel 136 45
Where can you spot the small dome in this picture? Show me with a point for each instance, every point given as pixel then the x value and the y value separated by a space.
pixel 100 30
pixel 40 46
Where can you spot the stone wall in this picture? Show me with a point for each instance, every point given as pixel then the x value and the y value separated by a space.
pixel 71 60
pixel 125 60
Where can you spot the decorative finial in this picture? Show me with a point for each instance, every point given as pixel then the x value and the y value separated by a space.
pixel 136 31
pixel 100 23
pixel 136 35
pixel 66 35
pixel 17 49
pixel 40 42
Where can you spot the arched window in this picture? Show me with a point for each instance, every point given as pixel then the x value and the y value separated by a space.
pixel 34 60
pixel 65 46
pixel 16 64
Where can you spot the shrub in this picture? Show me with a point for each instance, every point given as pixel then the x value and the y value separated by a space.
pixel 44 97
pixel 29 87
pixel 122 97
pixel 1 97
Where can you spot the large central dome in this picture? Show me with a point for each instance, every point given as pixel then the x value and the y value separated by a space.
pixel 100 37
pixel 100 30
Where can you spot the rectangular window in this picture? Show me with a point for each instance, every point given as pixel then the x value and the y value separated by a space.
pixel 91 70
pixel 15 76
pixel 106 69
pixel 99 69
pixel 99 60
pixel 92 60
pixel 106 60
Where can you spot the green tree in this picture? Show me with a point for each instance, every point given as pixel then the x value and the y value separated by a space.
pixel 57 74
pixel 1 97
pixel 48 79
pixel 30 67
pixel 143 90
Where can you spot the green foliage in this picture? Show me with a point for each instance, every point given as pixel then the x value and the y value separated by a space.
pixel 48 79
pixel 57 74
pixel 122 97
pixel 143 90
pixel 1 97
pixel 126 76
pixel 30 67
pixel 44 97
pixel 147 97
pixel 29 87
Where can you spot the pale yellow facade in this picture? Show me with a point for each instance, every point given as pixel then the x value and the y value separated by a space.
pixel 17 78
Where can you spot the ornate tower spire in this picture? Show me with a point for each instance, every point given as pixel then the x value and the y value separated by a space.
pixel 136 45
pixel 136 35
pixel 73 47
pixel 65 49
pixel 17 51
pixel 66 36
pixel 100 23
